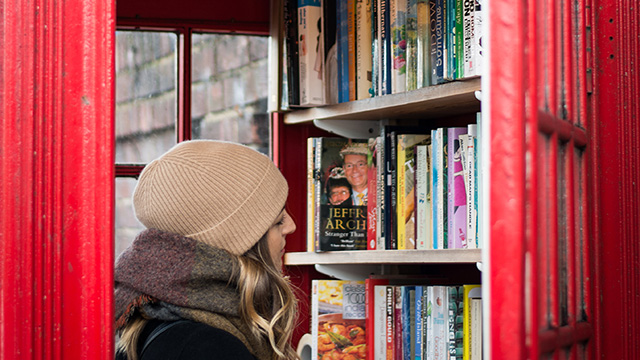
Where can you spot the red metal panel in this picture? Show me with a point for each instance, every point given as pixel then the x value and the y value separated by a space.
pixel 56 224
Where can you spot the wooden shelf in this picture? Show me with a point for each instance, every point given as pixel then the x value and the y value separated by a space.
pixel 453 98
pixel 384 257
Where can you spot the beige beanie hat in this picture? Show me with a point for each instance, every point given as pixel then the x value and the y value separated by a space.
pixel 224 194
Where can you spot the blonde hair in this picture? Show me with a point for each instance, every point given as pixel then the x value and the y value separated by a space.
pixel 257 278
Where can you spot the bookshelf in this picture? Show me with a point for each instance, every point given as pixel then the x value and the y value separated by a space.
pixel 407 257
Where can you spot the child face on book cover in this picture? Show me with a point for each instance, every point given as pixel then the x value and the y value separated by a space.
pixel 339 194
pixel 283 226
pixel 355 169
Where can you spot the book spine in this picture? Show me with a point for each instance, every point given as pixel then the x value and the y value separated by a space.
pixel 469 68
pixel 477 36
pixel 437 29
pixel 329 45
pixel 400 191
pixel 422 207
pixel 385 48
pixel 314 316
pixel 379 343
pixel 293 64
pixel 471 188
pixel 343 51
pixel 394 195
pixel 318 191
pixel 363 49
pixel 372 196
pixel 459 39
pixel 444 187
pixel 435 189
pixel 467 294
pixel 351 38
pixel 310 194
pixel 440 320
pixel 450 41
pixel 423 47
pixel 457 195
pixel 398 45
pixel 398 347
pixel 375 51
pixel 389 330
pixel 475 330
pixel 380 195
pixel 419 352
pixel 310 53
pixel 412 45
pixel 430 339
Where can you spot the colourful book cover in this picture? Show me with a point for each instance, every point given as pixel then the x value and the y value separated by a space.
pixel 441 171
pixel 457 200
pixel 343 182
pixel 311 53
pixel 372 201
pixel 423 213
pixel 437 30
pixel 390 323
pixel 338 324
pixel 363 49
pixel 398 22
pixel 469 292
pixel 472 209
pixel 412 45
pixel 440 332
pixel 311 143
pixel 455 322
pixel 435 188
pixel 406 188
pixel 398 347
pixel 423 40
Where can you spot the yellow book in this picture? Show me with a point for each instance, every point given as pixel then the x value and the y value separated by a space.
pixel 470 291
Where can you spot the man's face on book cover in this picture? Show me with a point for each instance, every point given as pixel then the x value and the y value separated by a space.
pixel 355 169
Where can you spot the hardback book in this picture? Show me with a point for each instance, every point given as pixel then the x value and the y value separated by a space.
pixel 419 323
pixel 423 215
pixel 380 213
pixel 372 196
pixel 411 50
pixel 408 322
pixel 341 193
pixel 398 21
pixel 390 329
pixel 437 30
pixel 351 40
pixel 330 47
pixel 363 49
pixel 342 25
pixel 311 241
pixel 291 49
pixel 468 38
pixel 470 291
pixel 457 196
pixel 441 186
pixel 399 327
pixel 435 189
pixel 338 325
pixel 406 188
pixel 384 30
pixel 423 40
pixel 310 53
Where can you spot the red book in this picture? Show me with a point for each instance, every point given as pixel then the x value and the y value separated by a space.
pixel 369 288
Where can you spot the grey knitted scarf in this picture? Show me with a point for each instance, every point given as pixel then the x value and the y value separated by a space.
pixel 170 277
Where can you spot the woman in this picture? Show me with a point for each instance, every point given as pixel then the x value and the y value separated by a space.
pixel 204 280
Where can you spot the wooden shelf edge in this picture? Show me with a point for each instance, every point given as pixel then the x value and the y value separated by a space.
pixel 458 256
pixel 452 98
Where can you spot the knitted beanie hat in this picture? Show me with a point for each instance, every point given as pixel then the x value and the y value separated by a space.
pixel 223 194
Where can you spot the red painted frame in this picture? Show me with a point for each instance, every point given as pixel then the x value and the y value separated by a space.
pixel 56 224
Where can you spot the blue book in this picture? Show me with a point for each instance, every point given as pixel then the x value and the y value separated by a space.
pixel 407 320
pixel 343 51
pixel 418 330
pixel 435 188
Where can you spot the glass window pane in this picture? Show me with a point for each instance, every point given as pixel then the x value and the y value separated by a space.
pixel 146 95
pixel 229 89
pixel 127 226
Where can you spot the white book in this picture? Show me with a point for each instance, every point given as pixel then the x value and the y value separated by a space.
pixel 475 335
pixel 472 210
pixel 440 310
pixel 468 38
pixel 311 53
pixel 441 195
pixel 477 36
pixel 424 233
pixel 380 324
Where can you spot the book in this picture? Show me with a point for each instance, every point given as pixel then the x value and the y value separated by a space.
pixel 475 329
pixel 440 170
pixel 342 50
pixel 363 49
pixel 472 209
pixel 406 188
pixel 459 38
pixel 311 241
pixel 398 21
pixel 398 323
pixel 291 45
pixel 408 321
pixel 470 291
pixel 468 39
pixel 386 61
pixel 439 309
pixel 375 301
pixel 455 322
pixel 423 41
pixel 375 51
pixel 338 325
pixel 380 213
pixel 423 214
pixel 437 31
pixel 412 45
pixel 477 36
pixel 342 220
pixel 351 41
pixel 372 196
pixel 330 47
pixel 311 53
pixel 457 197
pixel 390 323
pixel 419 323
